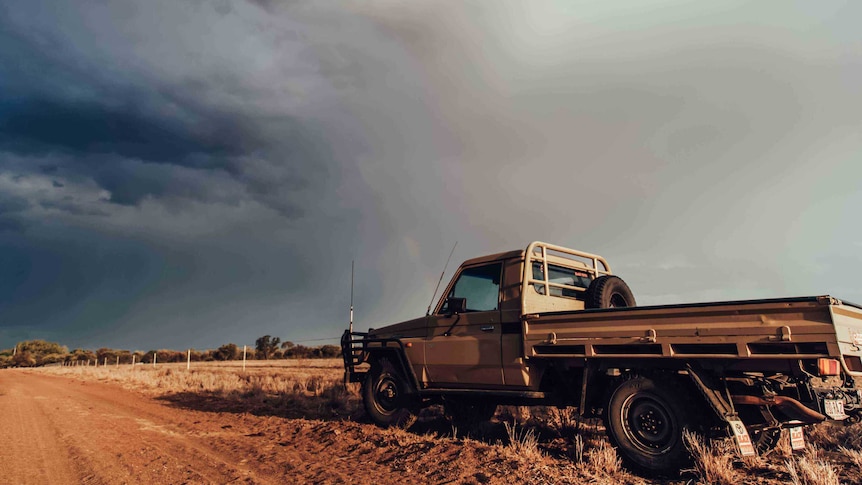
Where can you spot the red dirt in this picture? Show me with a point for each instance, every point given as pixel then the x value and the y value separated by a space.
pixel 64 430
pixel 60 430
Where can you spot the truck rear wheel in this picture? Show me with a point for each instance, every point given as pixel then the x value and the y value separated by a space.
pixel 645 419
pixel 385 396
pixel 609 292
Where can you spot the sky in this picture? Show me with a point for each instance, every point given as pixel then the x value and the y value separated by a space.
pixel 184 174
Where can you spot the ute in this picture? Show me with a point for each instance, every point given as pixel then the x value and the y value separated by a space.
pixel 553 326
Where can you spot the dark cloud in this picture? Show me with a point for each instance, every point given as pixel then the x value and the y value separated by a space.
pixel 11 209
pixel 73 208
pixel 12 204
pixel 151 136
pixel 134 153
pixel 38 126
pixel 191 173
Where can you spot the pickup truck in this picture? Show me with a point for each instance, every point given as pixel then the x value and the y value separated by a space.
pixel 553 326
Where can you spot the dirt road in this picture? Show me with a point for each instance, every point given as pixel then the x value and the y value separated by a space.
pixel 61 430
pixel 57 430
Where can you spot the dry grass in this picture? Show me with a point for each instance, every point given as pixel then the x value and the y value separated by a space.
pixel 277 377
pixel 831 436
pixel 578 449
pixel 565 420
pixel 811 469
pixel 855 456
pixel 604 459
pixel 712 461
pixel 310 388
pixel 523 441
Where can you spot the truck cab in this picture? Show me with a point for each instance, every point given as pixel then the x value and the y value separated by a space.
pixel 473 337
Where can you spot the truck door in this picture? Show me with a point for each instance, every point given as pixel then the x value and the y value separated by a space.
pixel 463 349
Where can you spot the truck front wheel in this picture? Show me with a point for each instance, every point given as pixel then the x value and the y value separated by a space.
pixel 385 396
pixel 645 419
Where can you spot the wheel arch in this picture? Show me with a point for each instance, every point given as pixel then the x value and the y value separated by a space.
pixel 398 357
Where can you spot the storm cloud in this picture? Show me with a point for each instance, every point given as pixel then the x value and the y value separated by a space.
pixel 185 174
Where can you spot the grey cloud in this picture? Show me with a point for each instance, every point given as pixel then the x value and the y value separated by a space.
pixel 12 204
pixel 71 207
pixel 45 126
pixel 239 155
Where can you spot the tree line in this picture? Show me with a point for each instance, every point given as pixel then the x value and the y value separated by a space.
pixel 36 353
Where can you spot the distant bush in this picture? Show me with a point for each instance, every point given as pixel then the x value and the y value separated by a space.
pixel 35 353
pixel 226 352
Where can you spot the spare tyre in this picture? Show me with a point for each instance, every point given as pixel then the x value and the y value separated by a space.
pixel 609 292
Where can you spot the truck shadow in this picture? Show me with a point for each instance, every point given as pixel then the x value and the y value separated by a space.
pixel 326 407
pixel 508 427
pixel 509 424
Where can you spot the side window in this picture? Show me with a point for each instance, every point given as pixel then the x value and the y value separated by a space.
pixel 480 286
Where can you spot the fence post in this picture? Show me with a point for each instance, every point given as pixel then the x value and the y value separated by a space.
pixel 118 361
pixel 243 358
pixel 189 360
pixel 106 362
pixel 155 354
pixel 133 361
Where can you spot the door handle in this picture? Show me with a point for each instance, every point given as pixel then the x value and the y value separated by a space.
pixel 487 328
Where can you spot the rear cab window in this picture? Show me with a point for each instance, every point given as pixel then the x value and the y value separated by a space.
pixel 576 281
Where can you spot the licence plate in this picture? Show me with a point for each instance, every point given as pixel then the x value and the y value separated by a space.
pixel 834 408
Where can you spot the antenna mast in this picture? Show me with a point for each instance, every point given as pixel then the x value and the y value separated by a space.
pixel 428 311
pixel 351 296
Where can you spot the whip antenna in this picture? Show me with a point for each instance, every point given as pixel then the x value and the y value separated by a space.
pixel 428 311
pixel 351 296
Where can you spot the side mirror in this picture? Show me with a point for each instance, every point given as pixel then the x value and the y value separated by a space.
pixel 456 305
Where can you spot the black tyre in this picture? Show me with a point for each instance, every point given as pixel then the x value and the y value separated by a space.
pixel 468 413
pixel 609 292
pixel 645 419
pixel 385 395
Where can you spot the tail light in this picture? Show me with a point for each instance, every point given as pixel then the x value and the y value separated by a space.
pixel 828 367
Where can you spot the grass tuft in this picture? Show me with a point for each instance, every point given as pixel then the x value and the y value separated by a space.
pixel 523 441
pixel 713 462
pixel 811 469
pixel 603 458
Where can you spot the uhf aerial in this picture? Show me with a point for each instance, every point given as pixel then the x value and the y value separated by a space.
pixel 428 311
pixel 351 297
